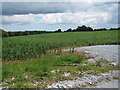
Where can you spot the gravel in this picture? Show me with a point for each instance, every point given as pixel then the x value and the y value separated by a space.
pixel 109 84
pixel 108 52
pixel 99 52
pixel 85 81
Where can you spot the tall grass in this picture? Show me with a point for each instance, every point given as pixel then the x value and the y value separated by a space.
pixel 45 71
pixel 39 67
pixel 33 46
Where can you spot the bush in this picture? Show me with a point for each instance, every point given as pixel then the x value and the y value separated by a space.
pixel 71 59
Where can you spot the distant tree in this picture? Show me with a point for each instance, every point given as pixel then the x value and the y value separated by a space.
pixel 74 30
pixel 89 29
pixel 83 28
pixel 27 33
pixel 3 33
pixel 19 33
pixel 100 29
pixel 69 30
pixel 11 34
pixel 59 30
pixel 79 28
pixel 115 28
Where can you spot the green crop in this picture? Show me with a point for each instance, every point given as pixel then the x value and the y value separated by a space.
pixel 33 46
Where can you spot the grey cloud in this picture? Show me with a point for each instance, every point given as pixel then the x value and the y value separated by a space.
pixel 11 8
pixel 94 12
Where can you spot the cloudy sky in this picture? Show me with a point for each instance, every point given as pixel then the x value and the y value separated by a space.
pixel 18 16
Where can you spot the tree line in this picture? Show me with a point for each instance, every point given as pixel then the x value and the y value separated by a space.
pixel 82 28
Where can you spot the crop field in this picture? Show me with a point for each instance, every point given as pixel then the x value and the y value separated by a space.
pixel 35 61
pixel 34 46
pixel 59 45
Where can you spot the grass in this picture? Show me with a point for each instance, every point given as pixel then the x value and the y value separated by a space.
pixel 96 68
pixel 33 46
pixel 38 70
pixel 38 62
pixel 25 74
pixel 40 67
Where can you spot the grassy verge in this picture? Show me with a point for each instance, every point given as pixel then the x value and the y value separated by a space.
pixel 41 72
pixel 39 69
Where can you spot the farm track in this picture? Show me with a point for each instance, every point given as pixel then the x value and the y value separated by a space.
pixel 100 52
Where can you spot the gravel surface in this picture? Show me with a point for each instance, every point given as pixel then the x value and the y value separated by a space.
pixel 109 84
pixel 86 80
pixel 109 52
pixel 99 52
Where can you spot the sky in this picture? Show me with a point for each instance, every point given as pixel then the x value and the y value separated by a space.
pixel 50 16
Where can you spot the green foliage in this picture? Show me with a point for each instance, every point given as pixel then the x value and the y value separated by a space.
pixel 26 73
pixel 84 68
pixel 40 67
pixel 72 59
pixel 21 85
pixel 96 68
pixel 3 33
pixel 33 46
pixel 59 30
pixel 83 28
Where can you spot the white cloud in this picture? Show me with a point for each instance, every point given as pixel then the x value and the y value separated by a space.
pixel 18 19
pixel 60 0
pixel 51 18
pixel 94 16
pixel 86 18
pixel 82 18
